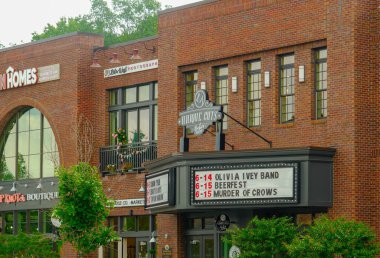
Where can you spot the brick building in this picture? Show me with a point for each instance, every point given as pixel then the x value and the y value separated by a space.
pixel 301 78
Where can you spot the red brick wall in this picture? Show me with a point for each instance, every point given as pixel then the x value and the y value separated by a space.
pixel 232 32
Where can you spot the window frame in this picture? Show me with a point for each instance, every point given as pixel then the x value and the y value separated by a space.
pixel 253 73
pixel 123 108
pixel 281 69
pixel 218 78
pixel 318 61
pixel 193 84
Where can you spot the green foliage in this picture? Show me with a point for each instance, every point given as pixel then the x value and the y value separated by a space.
pixel 124 20
pixel 23 245
pixel 263 237
pixel 83 208
pixel 5 174
pixel 330 238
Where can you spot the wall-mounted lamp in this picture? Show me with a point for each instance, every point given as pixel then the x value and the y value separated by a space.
pixel 114 59
pixel 26 185
pixel 134 55
pixel 39 186
pixel 142 188
pixel 234 84
pixel 203 86
pixel 267 79
pixel 1 187
pixel 152 239
pixel 301 73
pixel 52 183
pixel 95 63
pixel 13 189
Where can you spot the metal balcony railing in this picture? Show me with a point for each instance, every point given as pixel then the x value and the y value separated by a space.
pixel 128 157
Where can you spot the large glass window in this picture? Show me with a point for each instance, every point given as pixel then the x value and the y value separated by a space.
pixel 254 93
pixel 135 223
pixel 321 83
pixel 137 113
pixel 27 147
pixel 8 220
pixel 221 86
pixel 287 88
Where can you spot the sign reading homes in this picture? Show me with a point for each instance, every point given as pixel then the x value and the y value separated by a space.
pixel 201 114
pixel 132 68
pixel 241 184
pixel 19 78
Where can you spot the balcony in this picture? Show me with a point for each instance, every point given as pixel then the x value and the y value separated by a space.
pixel 126 158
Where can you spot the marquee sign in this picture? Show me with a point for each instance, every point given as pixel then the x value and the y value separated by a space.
pixel 265 183
pixel 201 114
pixel 160 189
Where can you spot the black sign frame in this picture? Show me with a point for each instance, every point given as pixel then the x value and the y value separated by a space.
pixel 171 188
pixel 242 201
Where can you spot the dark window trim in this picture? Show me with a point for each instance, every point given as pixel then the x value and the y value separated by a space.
pixel 281 67
pixel 250 73
pixel 220 78
pixel 317 62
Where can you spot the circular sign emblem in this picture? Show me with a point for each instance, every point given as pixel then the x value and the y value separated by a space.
pixel 200 99
pixel 234 252
pixel 222 222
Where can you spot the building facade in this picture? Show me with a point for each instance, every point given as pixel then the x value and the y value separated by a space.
pixel 298 82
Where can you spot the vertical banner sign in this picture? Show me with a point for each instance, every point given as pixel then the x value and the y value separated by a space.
pixel 245 184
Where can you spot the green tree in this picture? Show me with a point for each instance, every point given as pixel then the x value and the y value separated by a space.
pixel 264 238
pixel 26 245
pixel 331 238
pixel 21 167
pixel 124 20
pixel 83 208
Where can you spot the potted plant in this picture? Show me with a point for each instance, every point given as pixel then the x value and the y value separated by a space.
pixel 125 167
pixel 111 168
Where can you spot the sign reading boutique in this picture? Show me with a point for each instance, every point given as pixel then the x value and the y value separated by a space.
pixel 18 197
pixel 243 184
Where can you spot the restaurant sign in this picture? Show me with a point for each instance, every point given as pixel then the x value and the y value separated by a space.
pixel 265 183
pixel 200 114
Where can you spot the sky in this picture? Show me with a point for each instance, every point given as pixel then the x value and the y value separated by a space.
pixel 20 18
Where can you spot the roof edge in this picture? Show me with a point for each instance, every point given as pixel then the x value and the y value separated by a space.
pixel 32 43
pixel 174 9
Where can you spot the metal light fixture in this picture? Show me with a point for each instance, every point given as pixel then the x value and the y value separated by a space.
pixel 95 63
pixel 142 189
pixel 135 55
pixel 13 189
pixel 39 186
pixel 153 49
pixel 114 59
pixel 153 239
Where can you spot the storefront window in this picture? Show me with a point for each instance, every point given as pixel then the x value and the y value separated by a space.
pixel 143 223
pixel 47 226
pixel 22 222
pixel 8 219
pixel 221 90
pixel 27 147
pixel 113 223
pixel 128 224
pixel 1 223
pixel 33 226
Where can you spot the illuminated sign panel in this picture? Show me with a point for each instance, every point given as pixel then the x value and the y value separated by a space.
pixel 244 184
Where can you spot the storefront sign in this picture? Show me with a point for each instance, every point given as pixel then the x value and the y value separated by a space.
pixel 14 79
pixel 19 197
pixel 129 202
pixel 132 68
pixel 160 189
pixel 222 222
pixel 167 252
pixel 18 78
pixel 201 114
pixel 12 198
pixel 157 189
pixel 49 73
pixel 243 184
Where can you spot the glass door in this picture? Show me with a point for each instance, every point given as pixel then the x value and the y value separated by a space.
pixel 142 248
pixel 200 247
